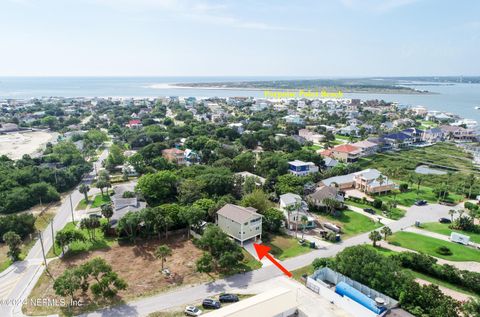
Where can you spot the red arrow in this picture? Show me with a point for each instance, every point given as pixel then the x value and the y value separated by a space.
pixel 262 250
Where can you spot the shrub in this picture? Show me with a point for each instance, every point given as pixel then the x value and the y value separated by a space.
pixel 377 203
pixel 128 194
pixel 443 250
pixel 403 187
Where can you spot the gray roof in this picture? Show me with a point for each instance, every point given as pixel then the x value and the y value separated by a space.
pixel 238 214
pixel 330 162
pixel 290 198
pixel 323 193
pixel 338 179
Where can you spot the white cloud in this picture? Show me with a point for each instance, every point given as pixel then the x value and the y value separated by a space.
pixel 376 5
pixel 198 11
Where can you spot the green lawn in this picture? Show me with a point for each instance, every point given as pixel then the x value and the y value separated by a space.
pixel 442 283
pixel 429 246
pixel 313 147
pixel 250 261
pixel 442 228
pixel 394 213
pixel 284 247
pixel 381 250
pixel 345 137
pixel 297 274
pixel 95 202
pixel 352 223
pixel 100 242
pixel 410 197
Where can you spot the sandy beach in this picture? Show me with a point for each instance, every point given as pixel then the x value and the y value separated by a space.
pixel 15 145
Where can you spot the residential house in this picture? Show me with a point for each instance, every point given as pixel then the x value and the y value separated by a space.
pixel 344 153
pixel 294 209
pixel 349 130
pixel 300 168
pixel 311 136
pixel 134 124
pixel 330 162
pixel 366 147
pixel 458 133
pixel 415 133
pixel 259 181
pixel 243 224
pixel 370 181
pixel 318 197
pixel 191 157
pixel 174 155
pixel 399 140
pixel 433 135
pixel 122 205
pixel 294 119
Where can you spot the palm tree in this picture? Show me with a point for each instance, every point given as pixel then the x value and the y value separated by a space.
pixel 289 209
pixel 419 180
pixel 386 232
pixel 470 181
pixel 375 236
pixel 381 179
pixel 162 252
pixel 410 179
pixel 331 205
pixel 304 225
pixel 107 211
pixel 84 189
pixel 452 212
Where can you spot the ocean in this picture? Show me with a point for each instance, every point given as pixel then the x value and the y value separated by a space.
pixel 461 98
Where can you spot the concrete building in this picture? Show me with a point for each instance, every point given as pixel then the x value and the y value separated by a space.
pixel 243 224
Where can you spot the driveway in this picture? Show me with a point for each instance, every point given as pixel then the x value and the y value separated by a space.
pixel 251 249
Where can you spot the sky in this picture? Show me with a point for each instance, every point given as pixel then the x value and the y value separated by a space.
pixel 315 38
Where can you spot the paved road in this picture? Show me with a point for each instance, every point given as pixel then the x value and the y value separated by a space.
pixel 191 294
pixel 18 280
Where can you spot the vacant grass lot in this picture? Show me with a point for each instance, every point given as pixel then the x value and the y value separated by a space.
pixel 352 223
pixel 136 263
pixel 442 228
pixel 411 196
pixel 284 246
pixel 297 274
pixel 394 213
pixel 428 245
pixel 100 242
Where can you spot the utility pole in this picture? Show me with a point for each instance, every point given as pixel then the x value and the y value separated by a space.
pixel 43 249
pixel 71 208
pixel 53 235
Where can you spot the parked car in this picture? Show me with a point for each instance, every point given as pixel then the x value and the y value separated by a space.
pixel 369 210
pixel 211 303
pixel 444 220
pixel 228 298
pixel 420 202
pixel 192 311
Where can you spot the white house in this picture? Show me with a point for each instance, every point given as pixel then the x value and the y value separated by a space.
pixel 300 168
